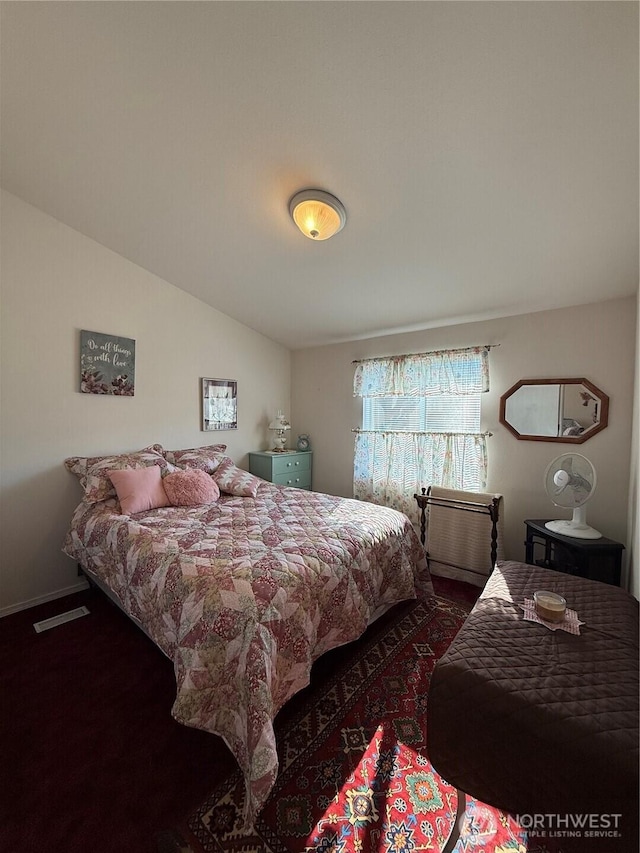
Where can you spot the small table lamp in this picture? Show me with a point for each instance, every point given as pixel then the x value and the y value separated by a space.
pixel 280 426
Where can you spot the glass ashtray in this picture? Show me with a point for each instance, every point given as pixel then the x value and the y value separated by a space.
pixel 550 606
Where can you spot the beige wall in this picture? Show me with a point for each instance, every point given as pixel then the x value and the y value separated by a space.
pixel 634 486
pixel 592 341
pixel 56 282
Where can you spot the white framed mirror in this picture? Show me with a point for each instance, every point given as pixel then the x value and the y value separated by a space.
pixel 568 411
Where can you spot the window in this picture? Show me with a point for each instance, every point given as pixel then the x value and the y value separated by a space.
pixel 442 413
pixel 421 421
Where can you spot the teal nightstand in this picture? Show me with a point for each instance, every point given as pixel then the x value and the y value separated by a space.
pixel 292 468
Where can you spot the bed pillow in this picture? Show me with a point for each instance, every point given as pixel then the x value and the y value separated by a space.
pixel 139 489
pixel 93 471
pixel 191 487
pixel 153 448
pixel 205 458
pixel 235 481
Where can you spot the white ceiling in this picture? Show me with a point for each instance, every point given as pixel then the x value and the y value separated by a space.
pixel 486 152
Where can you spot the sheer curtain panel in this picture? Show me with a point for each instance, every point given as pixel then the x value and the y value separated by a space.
pixel 390 465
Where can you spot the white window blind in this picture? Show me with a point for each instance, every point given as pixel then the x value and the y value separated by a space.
pixel 442 413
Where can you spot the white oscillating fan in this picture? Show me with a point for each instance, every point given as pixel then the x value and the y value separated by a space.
pixel 570 480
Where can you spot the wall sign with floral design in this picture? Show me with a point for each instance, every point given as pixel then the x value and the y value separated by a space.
pixel 107 364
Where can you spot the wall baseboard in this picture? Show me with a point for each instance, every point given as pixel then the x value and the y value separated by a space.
pixel 42 599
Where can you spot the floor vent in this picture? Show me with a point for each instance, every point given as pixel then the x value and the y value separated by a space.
pixel 69 616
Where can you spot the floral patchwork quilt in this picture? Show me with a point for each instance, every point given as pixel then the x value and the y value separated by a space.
pixel 244 594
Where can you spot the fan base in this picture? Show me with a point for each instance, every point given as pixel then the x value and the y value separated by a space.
pixel 570 528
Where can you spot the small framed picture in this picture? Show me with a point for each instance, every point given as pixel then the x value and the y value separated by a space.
pixel 219 404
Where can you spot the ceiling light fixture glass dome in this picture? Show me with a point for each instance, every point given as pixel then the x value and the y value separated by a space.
pixel 318 214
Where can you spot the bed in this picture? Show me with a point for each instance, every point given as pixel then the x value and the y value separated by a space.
pixel 540 722
pixel 245 593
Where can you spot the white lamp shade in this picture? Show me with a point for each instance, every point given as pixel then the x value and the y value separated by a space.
pixel 279 422
pixel 319 215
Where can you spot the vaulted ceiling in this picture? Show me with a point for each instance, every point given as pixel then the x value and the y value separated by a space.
pixel 486 152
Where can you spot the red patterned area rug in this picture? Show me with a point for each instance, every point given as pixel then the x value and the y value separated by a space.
pixel 354 774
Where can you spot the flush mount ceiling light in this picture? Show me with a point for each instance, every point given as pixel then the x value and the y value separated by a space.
pixel 319 215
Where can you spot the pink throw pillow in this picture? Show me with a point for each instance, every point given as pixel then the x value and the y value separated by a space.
pixel 139 489
pixel 191 487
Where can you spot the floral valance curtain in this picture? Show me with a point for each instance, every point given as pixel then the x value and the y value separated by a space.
pixel 461 371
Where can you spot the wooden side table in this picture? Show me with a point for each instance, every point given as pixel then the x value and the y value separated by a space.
pixel 596 559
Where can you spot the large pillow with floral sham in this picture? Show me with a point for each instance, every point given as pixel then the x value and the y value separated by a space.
pixel 154 448
pixel 205 458
pixel 93 471
pixel 234 481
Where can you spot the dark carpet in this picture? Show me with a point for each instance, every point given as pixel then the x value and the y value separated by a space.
pixel 91 760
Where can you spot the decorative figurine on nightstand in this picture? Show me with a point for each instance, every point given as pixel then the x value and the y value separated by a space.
pixel 303 442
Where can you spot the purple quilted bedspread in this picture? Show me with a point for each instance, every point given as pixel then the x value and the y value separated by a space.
pixel 243 595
